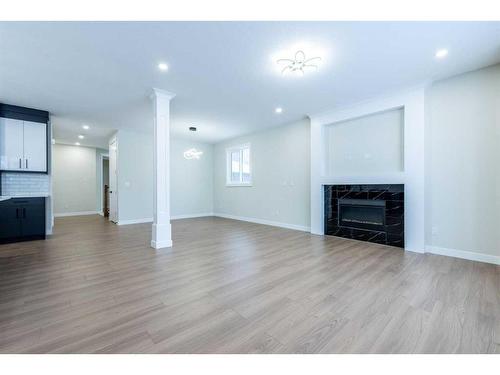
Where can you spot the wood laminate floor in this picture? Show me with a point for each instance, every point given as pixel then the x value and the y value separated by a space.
pixel 234 287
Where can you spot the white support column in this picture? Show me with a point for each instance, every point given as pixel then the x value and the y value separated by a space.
pixel 162 232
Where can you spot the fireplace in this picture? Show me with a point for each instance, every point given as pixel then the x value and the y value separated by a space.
pixel 373 213
pixel 362 214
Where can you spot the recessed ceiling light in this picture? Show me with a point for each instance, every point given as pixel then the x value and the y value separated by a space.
pixel 278 110
pixel 441 53
pixel 86 127
pixel 192 129
pixel 81 136
pixel 163 67
pixel 77 143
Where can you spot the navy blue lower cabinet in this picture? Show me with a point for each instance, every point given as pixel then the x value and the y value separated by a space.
pixel 10 226
pixel 22 219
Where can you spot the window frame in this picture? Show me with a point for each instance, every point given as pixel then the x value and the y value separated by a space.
pixel 229 151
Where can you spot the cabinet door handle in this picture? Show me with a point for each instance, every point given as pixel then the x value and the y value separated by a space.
pixel 20 163
pixel 26 163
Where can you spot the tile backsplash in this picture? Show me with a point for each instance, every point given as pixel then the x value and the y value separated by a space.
pixel 25 183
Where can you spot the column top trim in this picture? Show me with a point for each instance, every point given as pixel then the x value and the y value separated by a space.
pixel 162 93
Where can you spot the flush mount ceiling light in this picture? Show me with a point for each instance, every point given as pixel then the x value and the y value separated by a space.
pixel 163 67
pixel 192 153
pixel 77 143
pixel 86 127
pixel 298 64
pixel 278 110
pixel 81 136
pixel 441 53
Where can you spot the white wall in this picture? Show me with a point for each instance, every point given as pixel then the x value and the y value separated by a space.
pixel 73 179
pixel 463 166
pixel 369 144
pixel 191 181
pixel 135 176
pixel 280 177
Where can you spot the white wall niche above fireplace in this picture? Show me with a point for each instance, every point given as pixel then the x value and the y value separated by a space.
pixel 412 175
pixel 372 144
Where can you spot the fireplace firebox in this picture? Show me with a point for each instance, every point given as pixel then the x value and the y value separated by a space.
pixel 362 214
pixel 373 213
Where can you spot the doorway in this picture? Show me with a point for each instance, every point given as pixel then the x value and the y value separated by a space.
pixel 105 185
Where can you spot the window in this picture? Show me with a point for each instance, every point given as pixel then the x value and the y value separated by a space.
pixel 238 166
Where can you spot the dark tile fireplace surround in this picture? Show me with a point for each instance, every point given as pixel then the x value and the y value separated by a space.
pixel 373 213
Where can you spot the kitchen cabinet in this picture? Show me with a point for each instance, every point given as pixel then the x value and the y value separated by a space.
pixel 35 146
pixel 22 219
pixel 23 145
pixel 11 144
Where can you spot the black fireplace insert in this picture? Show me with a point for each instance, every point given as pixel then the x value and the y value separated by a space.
pixel 363 214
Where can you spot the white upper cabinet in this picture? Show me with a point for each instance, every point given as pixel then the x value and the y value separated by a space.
pixel 11 144
pixel 35 146
pixel 23 145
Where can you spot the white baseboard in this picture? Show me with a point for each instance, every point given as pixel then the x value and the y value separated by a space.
pixel 101 213
pixel 265 222
pixel 191 216
pixel 135 221
pixel 150 219
pixel 417 250
pixel 478 257
pixel 80 213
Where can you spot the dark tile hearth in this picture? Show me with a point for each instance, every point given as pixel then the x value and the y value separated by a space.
pixel 373 213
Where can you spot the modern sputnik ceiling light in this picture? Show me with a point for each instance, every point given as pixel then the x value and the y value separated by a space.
pixel 192 153
pixel 299 63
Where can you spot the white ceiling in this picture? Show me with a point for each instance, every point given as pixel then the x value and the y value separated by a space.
pixel 227 84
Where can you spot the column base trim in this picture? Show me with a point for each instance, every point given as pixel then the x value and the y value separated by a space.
pixel 161 244
pixel 161 235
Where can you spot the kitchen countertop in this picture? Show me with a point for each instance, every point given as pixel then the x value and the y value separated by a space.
pixel 27 195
